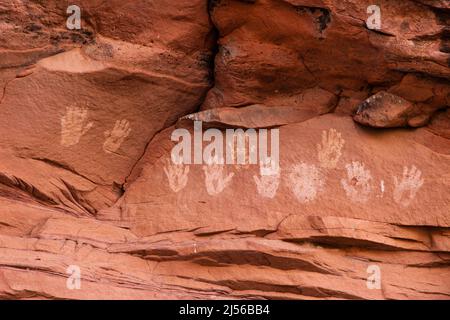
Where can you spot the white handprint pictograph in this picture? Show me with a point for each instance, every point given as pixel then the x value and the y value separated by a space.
pixel 329 152
pixel 215 179
pixel 267 184
pixel 242 152
pixel 177 174
pixel 306 181
pixel 358 185
pixel 73 125
pixel 406 189
pixel 115 138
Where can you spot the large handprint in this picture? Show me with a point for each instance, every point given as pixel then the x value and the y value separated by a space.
pixel 177 174
pixel 73 125
pixel 329 151
pixel 406 189
pixel 215 179
pixel 115 138
pixel 357 186
pixel 268 184
pixel 305 181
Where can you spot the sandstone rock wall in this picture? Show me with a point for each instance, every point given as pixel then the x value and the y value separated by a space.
pixel 86 181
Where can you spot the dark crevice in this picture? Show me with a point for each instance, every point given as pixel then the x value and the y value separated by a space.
pixel 212 44
pixel 212 4
pixel 381 33
pixel 15 182
pixel 443 19
pixel 322 16
pixel 62 166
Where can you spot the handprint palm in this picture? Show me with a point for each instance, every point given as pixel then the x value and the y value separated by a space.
pixel 268 184
pixel 405 190
pixel 358 184
pixel 177 174
pixel 329 151
pixel 115 138
pixel 73 125
pixel 215 180
pixel 306 182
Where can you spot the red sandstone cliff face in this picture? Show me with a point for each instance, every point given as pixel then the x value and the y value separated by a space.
pixel 86 118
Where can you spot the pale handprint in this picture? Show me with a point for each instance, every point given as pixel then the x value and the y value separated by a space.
pixel 357 186
pixel 214 177
pixel 329 151
pixel 268 184
pixel 405 190
pixel 306 181
pixel 177 174
pixel 115 138
pixel 73 125
pixel 242 152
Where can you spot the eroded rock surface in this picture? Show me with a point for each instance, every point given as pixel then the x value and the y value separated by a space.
pixel 90 100
pixel 86 177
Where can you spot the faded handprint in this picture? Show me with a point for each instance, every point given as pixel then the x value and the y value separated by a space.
pixel 214 177
pixel 268 184
pixel 329 151
pixel 306 181
pixel 177 174
pixel 357 186
pixel 115 138
pixel 245 151
pixel 73 125
pixel 406 189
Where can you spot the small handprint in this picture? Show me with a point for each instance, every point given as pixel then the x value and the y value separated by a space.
pixel 115 138
pixel 357 186
pixel 268 184
pixel 214 177
pixel 329 151
pixel 177 174
pixel 406 189
pixel 306 181
pixel 73 125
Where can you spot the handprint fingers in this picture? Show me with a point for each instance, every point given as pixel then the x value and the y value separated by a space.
pixel 79 115
pixel 121 125
pixel 267 186
pixel 127 132
pixel 405 171
pixel 228 178
pixel 331 135
pixel 116 126
pixel 329 152
pixel 115 138
pixel 416 175
pixel 177 174
pixel 349 171
pixel 73 125
pixel 405 189
pixel 86 129
pixel 70 114
pixel 215 180
pixel 395 182
pixel 125 125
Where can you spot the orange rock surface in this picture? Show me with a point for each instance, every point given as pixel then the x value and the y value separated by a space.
pixel 86 178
